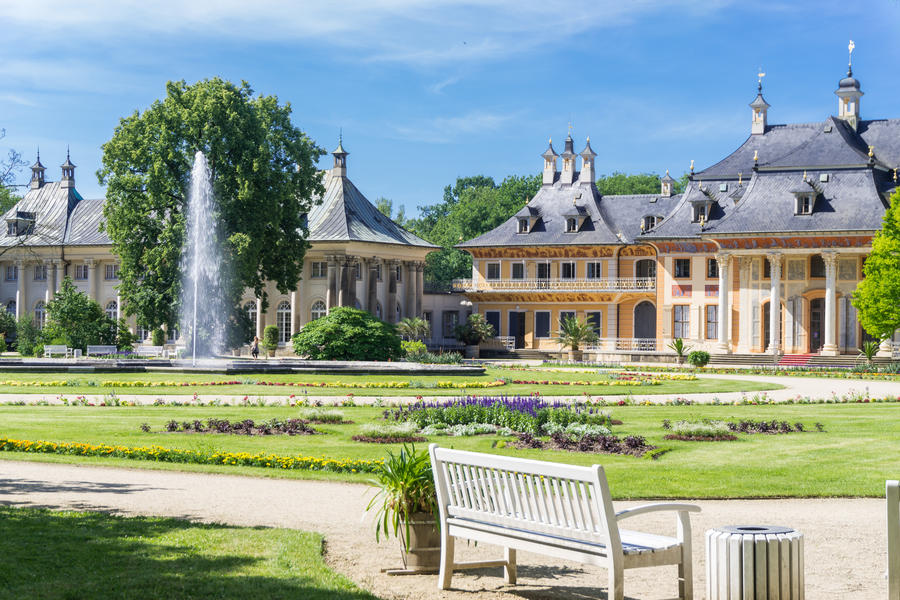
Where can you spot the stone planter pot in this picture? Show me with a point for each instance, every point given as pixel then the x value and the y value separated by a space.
pixel 424 552
pixel 472 351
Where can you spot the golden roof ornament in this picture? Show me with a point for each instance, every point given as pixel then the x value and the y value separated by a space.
pixel 756 156
pixel 692 166
pixel 871 151
pixel 741 178
pixel 850 48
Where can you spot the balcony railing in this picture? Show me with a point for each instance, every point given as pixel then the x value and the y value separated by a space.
pixel 614 284
pixel 623 345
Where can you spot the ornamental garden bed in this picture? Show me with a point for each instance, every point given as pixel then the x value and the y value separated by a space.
pixel 244 427
pixel 709 430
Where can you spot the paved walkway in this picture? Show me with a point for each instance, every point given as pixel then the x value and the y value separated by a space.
pixel 845 538
pixel 812 387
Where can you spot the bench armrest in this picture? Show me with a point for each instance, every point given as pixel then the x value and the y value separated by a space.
pixel 648 508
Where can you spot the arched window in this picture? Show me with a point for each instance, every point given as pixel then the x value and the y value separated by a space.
pixel 318 310
pixel 112 309
pixel 39 314
pixel 250 307
pixel 283 321
pixel 11 307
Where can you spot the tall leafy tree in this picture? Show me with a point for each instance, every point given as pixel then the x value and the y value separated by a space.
pixel 877 297
pixel 618 183
pixel 73 317
pixel 264 178
pixel 8 167
pixel 470 207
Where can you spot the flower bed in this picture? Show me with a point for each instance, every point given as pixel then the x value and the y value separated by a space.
pixel 177 455
pixel 634 445
pixel 520 413
pixel 244 427
pixel 231 382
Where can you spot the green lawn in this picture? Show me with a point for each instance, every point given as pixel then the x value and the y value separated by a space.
pixel 72 385
pixel 48 554
pixel 852 457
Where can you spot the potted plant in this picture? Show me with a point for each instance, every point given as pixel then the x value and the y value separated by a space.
pixel 869 350
pixel 475 330
pixel 698 358
pixel 270 339
pixel 573 333
pixel 406 505
pixel 680 348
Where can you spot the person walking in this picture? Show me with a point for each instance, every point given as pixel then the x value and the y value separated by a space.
pixel 254 347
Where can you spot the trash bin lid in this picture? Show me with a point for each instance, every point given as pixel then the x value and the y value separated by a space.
pixel 755 529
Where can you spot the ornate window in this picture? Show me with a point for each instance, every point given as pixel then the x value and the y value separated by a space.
pixel 40 315
pixel 283 321
pixel 681 317
pixel 112 310
pixel 319 310
pixel 253 314
pixel 81 272
pixel 40 272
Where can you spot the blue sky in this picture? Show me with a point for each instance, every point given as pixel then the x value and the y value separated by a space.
pixel 426 91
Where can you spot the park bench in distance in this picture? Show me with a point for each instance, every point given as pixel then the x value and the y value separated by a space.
pixel 156 351
pixel 548 508
pixel 51 349
pixel 101 350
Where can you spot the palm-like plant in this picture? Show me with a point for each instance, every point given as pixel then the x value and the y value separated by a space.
pixel 475 330
pixel 413 328
pixel 680 348
pixel 869 349
pixel 574 332
pixel 406 487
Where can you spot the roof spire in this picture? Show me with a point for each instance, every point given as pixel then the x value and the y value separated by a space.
pixel 850 48
pixel 340 156
pixel 759 76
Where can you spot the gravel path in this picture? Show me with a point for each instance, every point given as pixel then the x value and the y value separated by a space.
pixel 845 538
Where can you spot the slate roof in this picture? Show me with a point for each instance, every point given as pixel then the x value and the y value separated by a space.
pixel 346 215
pixel 608 219
pixel 61 216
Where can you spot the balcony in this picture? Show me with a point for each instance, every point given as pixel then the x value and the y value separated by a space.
pixel 615 284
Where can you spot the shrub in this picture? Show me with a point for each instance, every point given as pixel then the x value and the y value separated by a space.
pixel 389 430
pixel 2 343
pixel 124 338
pixel 7 325
pixel 698 358
pixel 270 338
pixel 158 337
pixel 73 316
pixel 322 415
pixel 27 335
pixel 348 334
pixel 413 349
pixel 475 330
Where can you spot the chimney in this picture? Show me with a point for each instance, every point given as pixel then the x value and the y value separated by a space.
pixel 549 164
pixel 37 173
pixel 587 163
pixel 68 173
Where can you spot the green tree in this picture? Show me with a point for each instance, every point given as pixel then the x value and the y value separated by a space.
pixel 471 207
pixel 74 317
pixel 413 328
pixel 264 178
pixel 877 297
pixel 28 336
pixel 348 334
pixel 618 184
pixel 8 167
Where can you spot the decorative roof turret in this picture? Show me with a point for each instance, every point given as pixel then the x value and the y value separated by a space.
pixel 760 109
pixel 340 158
pixel 37 172
pixel 68 172
pixel 550 157
pixel 666 184
pixel 568 157
pixel 849 94
pixel 587 163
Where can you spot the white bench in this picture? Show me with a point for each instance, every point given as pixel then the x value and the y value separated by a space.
pixel 156 351
pixel 892 493
pixel 554 509
pixel 101 350
pixel 51 349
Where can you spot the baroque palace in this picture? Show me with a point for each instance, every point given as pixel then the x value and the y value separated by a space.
pixel 358 256
pixel 784 221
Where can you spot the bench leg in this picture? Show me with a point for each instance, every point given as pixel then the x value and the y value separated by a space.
pixel 447 547
pixel 685 567
pixel 616 582
pixel 509 571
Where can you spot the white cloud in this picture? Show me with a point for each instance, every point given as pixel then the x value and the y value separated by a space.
pixel 416 32
pixel 440 130
pixel 17 99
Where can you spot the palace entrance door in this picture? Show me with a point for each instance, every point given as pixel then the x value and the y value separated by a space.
pixel 816 324
pixel 517 327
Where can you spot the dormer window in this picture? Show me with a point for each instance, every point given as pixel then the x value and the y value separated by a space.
pixel 649 222
pixel 523 225
pixel 700 213
pixel 804 205
pixel 571 225
pixel 21 224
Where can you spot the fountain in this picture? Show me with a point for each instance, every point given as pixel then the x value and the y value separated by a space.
pixel 203 308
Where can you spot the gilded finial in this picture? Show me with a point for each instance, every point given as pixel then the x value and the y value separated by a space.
pixel 871 151
pixel 850 48
pixel 588 139
pixel 741 178
pixel 642 227
pixel 760 76
pixel 574 201
pixel 702 221
pixel 895 175
pixel 804 175
pixel 667 172
pixel 692 165
pixel 570 128
pixel 756 156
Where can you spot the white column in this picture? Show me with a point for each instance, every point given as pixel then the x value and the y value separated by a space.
pixel 409 289
pixel 20 290
pixel 724 345
pixel 390 311
pixel 366 299
pixel 745 318
pixel 830 348
pixel 295 317
pixel 775 302
pixel 331 291
pixel 118 307
pixel 420 289
pixel 382 289
pixel 93 284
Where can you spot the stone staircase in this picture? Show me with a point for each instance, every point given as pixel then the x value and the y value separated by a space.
pixel 517 354
pixel 795 360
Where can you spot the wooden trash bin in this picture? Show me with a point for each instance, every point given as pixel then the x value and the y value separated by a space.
pixel 754 563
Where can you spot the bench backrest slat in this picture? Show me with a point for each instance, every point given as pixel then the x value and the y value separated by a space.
pixel 892 494
pixel 551 498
